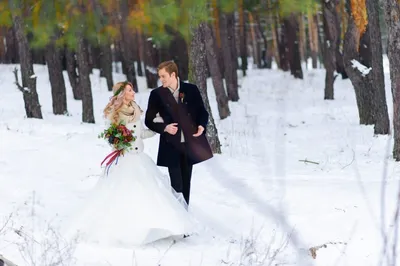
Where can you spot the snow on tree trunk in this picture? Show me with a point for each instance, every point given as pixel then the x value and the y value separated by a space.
pixel 218 82
pixel 358 73
pixel 198 74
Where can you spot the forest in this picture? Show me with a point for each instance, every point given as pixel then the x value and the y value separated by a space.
pixel 207 39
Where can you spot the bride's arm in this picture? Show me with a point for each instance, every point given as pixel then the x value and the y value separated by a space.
pixel 147 133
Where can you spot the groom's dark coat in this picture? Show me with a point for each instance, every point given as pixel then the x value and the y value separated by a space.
pixel 189 113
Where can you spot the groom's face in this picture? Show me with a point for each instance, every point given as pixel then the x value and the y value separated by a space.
pixel 166 78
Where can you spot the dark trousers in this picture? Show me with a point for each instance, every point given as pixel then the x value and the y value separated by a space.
pixel 181 176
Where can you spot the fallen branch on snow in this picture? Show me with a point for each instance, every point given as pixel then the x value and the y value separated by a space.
pixel 307 161
pixel 313 250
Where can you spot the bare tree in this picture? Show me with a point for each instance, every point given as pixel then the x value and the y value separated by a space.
pixel 73 76
pixel 331 37
pixel 28 87
pixel 216 75
pixel 378 80
pixel 358 72
pixel 293 51
pixel 392 15
pixel 313 38
pixel 228 44
pixel 242 37
pixel 55 68
pixel 198 63
pixel 127 43
pixel 84 81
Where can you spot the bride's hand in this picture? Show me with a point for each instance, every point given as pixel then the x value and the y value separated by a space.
pixel 158 119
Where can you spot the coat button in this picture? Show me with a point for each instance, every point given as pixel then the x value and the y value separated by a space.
pixel 136 148
pixel 134 125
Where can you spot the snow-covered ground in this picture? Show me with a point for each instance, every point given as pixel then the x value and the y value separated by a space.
pixel 296 172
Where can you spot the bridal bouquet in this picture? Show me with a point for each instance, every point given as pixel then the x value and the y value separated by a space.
pixel 120 138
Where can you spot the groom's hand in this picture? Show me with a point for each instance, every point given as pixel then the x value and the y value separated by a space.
pixel 171 128
pixel 200 130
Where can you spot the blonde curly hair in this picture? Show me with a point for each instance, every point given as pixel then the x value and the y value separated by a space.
pixel 116 101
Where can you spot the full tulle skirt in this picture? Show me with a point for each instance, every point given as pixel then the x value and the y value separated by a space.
pixel 131 206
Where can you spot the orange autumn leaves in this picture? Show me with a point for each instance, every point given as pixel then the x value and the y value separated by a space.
pixel 359 12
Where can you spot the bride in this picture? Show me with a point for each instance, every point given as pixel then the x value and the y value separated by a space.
pixel 134 204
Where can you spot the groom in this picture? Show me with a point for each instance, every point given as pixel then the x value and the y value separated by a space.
pixel 182 133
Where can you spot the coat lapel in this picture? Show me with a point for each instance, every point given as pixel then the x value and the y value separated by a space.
pixel 167 97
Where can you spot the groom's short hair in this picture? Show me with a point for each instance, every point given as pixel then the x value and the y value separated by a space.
pixel 169 66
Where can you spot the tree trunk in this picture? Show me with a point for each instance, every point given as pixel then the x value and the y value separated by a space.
pixel 117 56
pixel 151 63
pixel 359 75
pixel 254 42
pixel 198 63
pixel 242 37
pixel 84 81
pixel 275 40
pixel 3 45
pixel 178 52
pixel 106 64
pixel 392 17
pixel 378 81
pixel 139 53
pixel 217 33
pixel 72 73
pixel 218 82
pixel 266 60
pixel 38 56
pixel 331 36
pixel 231 33
pixel 321 34
pixel 282 45
pixel 127 41
pixel 365 49
pixel 12 55
pixel 293 51
pixel 313 38
pixel 230 74
pixel 302 40
pixel 91 55
pixel 340 29
pixel 55 69
pixel 28 88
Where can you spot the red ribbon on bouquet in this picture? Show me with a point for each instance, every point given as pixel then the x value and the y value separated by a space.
pixel 111 158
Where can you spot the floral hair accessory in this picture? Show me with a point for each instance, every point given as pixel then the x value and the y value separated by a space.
pixel 122 87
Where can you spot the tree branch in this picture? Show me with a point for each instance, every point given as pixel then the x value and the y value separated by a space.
pixel 15 71
pixel 307 161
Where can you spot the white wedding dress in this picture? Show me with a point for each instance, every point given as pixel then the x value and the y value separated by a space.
pixel 134 204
